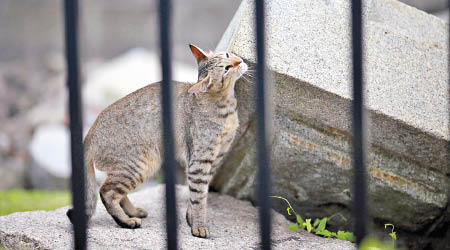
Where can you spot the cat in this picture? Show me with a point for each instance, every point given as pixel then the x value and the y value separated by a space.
pixel 125 140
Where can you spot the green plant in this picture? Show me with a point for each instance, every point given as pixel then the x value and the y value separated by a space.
pixel 319 228
pixel 319 225
pixel 392 234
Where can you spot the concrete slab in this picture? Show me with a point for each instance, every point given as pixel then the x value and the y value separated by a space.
pixel 233 224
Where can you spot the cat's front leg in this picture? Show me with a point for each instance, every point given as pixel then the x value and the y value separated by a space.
pixel 198 177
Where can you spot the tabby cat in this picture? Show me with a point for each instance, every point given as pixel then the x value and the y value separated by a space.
pixel 125 140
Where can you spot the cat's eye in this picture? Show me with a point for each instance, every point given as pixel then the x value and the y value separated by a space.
pixel 228 56
pixel 228 67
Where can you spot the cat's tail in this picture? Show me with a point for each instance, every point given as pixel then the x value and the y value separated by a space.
pixel 91 189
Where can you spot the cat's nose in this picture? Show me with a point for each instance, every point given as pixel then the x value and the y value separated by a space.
pixel 236 61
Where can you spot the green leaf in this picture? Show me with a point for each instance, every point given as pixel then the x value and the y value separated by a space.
pixel 341 235
pixel 299 220
pixel 325 233
pixel 351 237
pixel 393 235
pixel 316 222
pixel 308 225
pixel 333 234
pixel 294 227
pixel 348 236
pixel 289 210
pixel 322 224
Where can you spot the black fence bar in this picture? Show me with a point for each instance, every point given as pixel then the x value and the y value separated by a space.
pixel 168 138
pixel 263 156
pixel 76 124
pixel 359 171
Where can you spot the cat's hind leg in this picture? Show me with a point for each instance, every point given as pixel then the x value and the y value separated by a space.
pixel 147 164
pixel 112 192
pixel 130 210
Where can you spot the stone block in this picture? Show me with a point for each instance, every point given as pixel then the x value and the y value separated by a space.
pixel 407 100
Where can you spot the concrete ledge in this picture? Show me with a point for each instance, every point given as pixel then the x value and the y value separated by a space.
pixel 233 225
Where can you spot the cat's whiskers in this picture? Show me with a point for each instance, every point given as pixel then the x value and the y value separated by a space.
pixel 249 75
pixel 249 80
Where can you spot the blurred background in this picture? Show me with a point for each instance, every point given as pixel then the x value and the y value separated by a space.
pixel 119 52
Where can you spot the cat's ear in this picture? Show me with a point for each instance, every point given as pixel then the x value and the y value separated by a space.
pixel 199 87
pixel 198 53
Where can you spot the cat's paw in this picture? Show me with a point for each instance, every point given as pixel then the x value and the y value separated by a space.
pixel 131 223
pixel 200 231
pixel 141 213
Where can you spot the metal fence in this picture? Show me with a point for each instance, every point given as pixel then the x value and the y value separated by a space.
pixel 264 184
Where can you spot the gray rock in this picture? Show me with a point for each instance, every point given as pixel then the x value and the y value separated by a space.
pixel 233 224
pixel 427 5
pixel 406 73
pixel 443 14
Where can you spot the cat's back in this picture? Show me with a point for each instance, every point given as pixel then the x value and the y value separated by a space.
pixel 124 113
pixel 133 119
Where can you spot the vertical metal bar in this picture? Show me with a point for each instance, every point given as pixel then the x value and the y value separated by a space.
pixel 448 83
pixel 168 138
pixel 358 123
pixel 76 124
pixel 263 152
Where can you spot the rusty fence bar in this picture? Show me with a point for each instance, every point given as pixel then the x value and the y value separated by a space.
pixel 358 125
pixel 76 124
pixel 263 152
pixel 167 118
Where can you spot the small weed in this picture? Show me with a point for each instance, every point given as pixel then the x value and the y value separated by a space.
pixel 392 234
pixel 319 228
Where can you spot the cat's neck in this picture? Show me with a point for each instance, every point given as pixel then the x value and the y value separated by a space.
pixel 223 95
pixel 216 104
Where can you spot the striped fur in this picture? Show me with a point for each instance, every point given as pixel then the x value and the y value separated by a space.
pixel 125 140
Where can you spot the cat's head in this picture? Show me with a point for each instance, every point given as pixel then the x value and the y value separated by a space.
pixel 217 72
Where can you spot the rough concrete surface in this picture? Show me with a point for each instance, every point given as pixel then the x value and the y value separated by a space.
pixel 406 85
pixel 233 225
